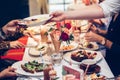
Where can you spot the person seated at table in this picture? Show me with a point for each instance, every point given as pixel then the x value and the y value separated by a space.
pixel 9 35
pixel 111 41
pixel 8 40
pixel 7 73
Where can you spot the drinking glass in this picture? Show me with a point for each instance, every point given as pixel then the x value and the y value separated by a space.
pixel 76 34
pixel 56 58
pixel 43 34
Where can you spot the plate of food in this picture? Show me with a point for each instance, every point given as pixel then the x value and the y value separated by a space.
pixel 68 47
pixel 29 68
pixel 77 56
pixel 37 20
pixel 89 46
pixel 95 76
pixel 37 50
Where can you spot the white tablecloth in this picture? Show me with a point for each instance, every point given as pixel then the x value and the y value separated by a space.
pixel 105 70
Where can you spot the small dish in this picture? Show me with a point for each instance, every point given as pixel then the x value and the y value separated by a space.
pixel 68 47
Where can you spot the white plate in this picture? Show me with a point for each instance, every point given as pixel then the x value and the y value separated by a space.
pixel 95 46
pixel 67 57
pixel 41 19
pixel 73 44
pixel 29 78
pixel 36 53
pixel 20 71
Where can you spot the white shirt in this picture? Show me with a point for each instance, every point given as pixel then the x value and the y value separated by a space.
pixel 110 7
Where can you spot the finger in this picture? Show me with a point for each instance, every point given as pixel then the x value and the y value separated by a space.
pixel 21 45
pixel 11 68
pixel 12 74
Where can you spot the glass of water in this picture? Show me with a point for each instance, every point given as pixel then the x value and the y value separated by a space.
pixel 56 58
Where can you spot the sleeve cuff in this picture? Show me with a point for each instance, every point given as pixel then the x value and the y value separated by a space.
pixel 5 45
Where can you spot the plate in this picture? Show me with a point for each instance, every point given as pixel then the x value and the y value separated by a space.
pixel 28 78
pixel 37 20
pixel 67 57
pixel 20 71
pixel 34 51
pixel 68 47
pixel 95 76
pixel 94 46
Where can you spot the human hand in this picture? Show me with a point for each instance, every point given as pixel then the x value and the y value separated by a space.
pixel 9 72
pixel 57 16
pixel 16 44
pixel 28 33
pixel 10 27
pixel 93 37
pixel 94 29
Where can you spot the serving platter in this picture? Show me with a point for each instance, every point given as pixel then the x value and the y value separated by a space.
pixel 37 20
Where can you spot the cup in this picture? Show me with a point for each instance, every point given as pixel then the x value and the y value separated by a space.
pixel 46 72
pixel 44 36
pixel 56 58
pixel 56 42
pixel 76 34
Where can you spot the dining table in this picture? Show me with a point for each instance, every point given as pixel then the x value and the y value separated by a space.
pixel 105 69
pixel 24 55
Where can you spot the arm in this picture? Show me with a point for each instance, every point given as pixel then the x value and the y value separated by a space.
pixel 93 37
pixel 105 9
pixel 93 28
pixel 95 11
pixel 4 45
pixel 113 47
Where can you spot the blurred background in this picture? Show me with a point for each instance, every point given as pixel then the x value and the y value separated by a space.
pixel 19 9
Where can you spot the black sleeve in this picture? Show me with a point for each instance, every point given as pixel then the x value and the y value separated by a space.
pixel 115 48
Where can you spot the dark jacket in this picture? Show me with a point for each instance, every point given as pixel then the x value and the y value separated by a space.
pixel 113 54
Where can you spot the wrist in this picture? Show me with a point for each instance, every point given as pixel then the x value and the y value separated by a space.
pixel 103 41
pixel 4 30
pixel 1 75
pixel 98 31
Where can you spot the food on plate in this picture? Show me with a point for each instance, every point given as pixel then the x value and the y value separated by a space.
pixel 49 72
pixel 95 76
pixel 32 66
pixel 37 19
pixel 89 45
pixel 40 47
pixel 66 47
pixel 52 74
pixel 91 69
pixel 69 77
pixel 33 20
pixel 82 54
